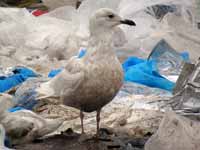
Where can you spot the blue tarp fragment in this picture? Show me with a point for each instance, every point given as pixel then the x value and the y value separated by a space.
pixel 185 56
pixel 82 53
pixel 54 72
pixel 20 75
pixel 14 109
pixel 145 72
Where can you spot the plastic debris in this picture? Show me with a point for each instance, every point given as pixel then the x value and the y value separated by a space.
pixel 34 45
pixel 54 72
pixel 25 95
pixel 187 91
pixel 15 109
pixel 145 72
pixel 132 88
pixel 169 61
pixel 82 52
pixel 38 12
pixel 159 11
pixel 175 133
pixel 20 74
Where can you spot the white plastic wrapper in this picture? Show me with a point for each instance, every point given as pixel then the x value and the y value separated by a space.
pixel 60 33
pixel 13 26
pixel 20 29
pixel 176 27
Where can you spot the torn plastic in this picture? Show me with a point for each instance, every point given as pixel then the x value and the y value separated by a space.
pixel 150 30
pixel 138 89
pixel 145 72
pixel 25 95
pixel 160 10
pixel 187 92
pixel 29 32
pixel 32 37
pixel 18 76
pixel 169 62
pixel 175 133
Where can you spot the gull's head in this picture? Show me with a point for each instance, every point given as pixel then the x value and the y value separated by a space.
pixel 105 19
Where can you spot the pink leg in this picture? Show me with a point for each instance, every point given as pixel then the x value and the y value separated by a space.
pixel 98 120
pixel 82 116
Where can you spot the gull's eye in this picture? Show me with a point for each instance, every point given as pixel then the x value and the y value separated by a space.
pixel 111 16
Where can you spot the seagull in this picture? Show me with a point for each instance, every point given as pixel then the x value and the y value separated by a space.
pixel 91 82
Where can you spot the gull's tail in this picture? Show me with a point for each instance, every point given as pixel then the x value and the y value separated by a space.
pixel 44 91
pixel 34 94
pixel 46 94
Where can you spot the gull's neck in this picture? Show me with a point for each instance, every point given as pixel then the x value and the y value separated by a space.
pixel 101 41
pixel 100 48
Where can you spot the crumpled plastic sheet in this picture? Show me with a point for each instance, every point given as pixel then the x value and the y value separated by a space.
pixel 29 32
pixel 6 71
pixel 150 30
pixel 14 77
pixel 187 94
pixel 175 133
pixel 70 29
pixel 145 72
pixel 160 10
pixel 169 61
pixel 25 95
pixel 143 97
pixel 130 88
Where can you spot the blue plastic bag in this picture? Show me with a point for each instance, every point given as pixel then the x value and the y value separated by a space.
pixel 14 109
pixel 82 53
pixel 54 72
pixel 145 72
pixel 19 76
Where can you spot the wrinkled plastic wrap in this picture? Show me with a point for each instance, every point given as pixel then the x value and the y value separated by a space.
pixel 150 30
pixel 60 33
pixel 175 132
pixel 138 89
pixel 169 61
pixel 13 26
pixel 46 42
pixel 29 40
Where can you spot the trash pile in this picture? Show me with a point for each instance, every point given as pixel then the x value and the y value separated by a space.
pixel 160 92
pixel 172 128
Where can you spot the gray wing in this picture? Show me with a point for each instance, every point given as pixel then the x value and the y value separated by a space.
pixel 70 78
